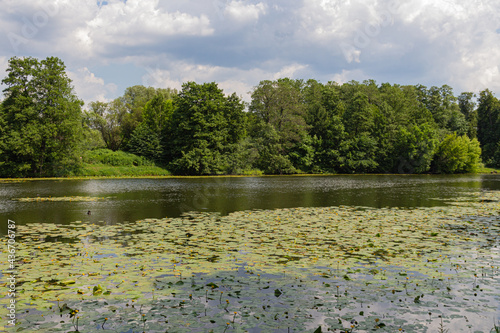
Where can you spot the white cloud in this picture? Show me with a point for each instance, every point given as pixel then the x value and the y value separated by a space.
pixel 90 87
pixel 244 13
pixel 346 76
pixel 87 28
pixel 3 73
pixel 432 42
pixel 289 71
pixel 230 79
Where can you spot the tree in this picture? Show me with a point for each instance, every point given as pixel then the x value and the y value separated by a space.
pixel 457 154
pixel 148 138
pixel 134 101
pixel 205 124
pixel 157 113
pixel 279 104
pixel 414 149
pixel 488 126
pixel 41 127
pixel 106 118
pixel 467 107
pixel 146 142
pixel 271 157
pixel 324 109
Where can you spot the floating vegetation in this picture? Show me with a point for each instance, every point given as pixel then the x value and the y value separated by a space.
pixel 58 199
pixel 342 269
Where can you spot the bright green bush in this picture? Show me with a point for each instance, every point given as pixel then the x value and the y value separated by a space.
pixel 115 158
pixel 457 154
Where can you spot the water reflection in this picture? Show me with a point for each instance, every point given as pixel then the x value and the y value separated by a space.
pixel 135 199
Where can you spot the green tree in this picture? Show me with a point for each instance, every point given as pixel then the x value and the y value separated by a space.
pixel 414 149
pixel 146 142
pixel 457 154
pixel 360 147
pixel 42 120
pixel 133 102
pixel 488 126
pixel 280 104
pixel 324 110
pixel 271 153
pixel 157 113
pixel 106 118
pixel 205 124
pixel 149 137
pixel 468 109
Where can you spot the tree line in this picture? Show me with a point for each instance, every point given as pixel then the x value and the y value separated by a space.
pixel 290 126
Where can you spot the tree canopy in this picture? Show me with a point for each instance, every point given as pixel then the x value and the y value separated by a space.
pixel 41 120
pixel 289 126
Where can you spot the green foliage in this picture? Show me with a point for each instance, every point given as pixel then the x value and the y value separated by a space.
pixel 41 120
pixel 101 170
pixel 204 126
pixel 292 126
pixel 146 142
pixel 281 130
pixel 106 119
pixel 271 158
pixel 157 113
pixel 488 127
pixel 199 161
pixel 115 158
pixel 415 148
pixel 457 154
pixel 132 105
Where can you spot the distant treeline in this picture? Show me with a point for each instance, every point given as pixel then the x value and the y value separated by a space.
pixel 290 126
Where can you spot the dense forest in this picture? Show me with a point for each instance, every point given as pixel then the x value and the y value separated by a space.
pixel 290 126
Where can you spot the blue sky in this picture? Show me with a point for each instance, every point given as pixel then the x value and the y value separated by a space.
pixel 110 45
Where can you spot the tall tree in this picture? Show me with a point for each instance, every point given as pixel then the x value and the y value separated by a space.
pixel 134 101
pixel 205 124
pixel 488 127
pixel 107 118
pixel 468 109
pixel 42 119
pixel 280 105
pixel 148 139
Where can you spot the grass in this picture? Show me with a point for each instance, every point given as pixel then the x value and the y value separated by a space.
pixel 115 158
pixel 103 170
pixel 107 163
pixel 483 169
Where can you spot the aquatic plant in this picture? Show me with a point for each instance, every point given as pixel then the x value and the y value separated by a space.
pixel 286 269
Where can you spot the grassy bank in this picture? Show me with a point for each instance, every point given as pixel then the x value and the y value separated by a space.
pixel 484 170
pixel 103 170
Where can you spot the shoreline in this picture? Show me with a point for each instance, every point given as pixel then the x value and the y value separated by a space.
pixel 2 180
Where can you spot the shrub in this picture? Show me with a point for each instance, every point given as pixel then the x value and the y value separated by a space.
pixel 115 158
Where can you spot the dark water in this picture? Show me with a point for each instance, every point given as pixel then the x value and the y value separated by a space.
pixel 134 199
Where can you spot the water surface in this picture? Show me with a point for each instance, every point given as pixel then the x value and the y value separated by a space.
pixel 135 199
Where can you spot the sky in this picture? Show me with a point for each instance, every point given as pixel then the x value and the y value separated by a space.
pixel 108 46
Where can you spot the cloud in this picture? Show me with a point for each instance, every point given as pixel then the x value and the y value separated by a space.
pixel 90 87
pixel 230 79
pixel 89 28
pixel 3 73
pixel 238 43
pixel 244 13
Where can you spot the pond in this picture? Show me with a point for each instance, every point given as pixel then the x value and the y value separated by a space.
pixel 264 254
pixel 119 200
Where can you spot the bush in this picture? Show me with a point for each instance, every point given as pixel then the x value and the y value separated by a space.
pixel 457 154
pixel 115 158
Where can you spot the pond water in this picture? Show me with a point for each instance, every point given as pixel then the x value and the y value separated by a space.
pixel 382 253
pixel 134 199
